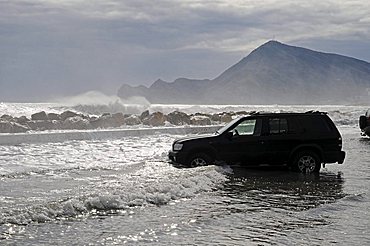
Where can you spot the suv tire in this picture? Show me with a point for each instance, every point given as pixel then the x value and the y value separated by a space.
pixel 363 122
pixel 200 159
pixel 307 162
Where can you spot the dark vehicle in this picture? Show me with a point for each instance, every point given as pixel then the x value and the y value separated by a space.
pixel 364 123
pixel 302 141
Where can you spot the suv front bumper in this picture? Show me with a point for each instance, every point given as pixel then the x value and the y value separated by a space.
pixel 177 157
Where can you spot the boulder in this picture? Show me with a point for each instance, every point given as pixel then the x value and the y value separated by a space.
pixel 132 120
pixel 216 117
pixel 155 119
pixel 6 117
pixel 22 120
pixel 104 121
pixel 202 114
pixel 12 127
pixel 67 114
pixel 53 116
pixel 42 125
pixel 144 115
pixel 226 118
pixel 200 120
pixel 77 123
pixel 178 118
pixel 5 127
pixel 39 116
pixel 108 121
pixel 242 113
pixel 95 123
pixel 119 118
pixel 18 128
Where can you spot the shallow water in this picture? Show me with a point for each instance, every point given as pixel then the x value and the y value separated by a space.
pixel 110 187
pixel 117 191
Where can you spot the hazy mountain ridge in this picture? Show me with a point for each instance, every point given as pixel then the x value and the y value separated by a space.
pixel 274 73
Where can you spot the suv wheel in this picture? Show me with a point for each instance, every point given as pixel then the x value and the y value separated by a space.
pixel 363 122
pixel 307 162
pixel 199 159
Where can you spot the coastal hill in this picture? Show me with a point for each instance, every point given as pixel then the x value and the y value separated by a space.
pixel 274 73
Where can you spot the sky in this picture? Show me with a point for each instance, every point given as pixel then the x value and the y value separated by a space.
pixel 56 48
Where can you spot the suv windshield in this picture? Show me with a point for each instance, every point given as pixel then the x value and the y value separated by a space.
pixel 227 126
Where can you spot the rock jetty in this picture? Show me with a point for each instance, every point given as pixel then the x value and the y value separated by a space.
pixel 70 120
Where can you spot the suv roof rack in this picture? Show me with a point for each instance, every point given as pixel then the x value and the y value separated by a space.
pixel 260 112
pixel 265 112
pixel 315 112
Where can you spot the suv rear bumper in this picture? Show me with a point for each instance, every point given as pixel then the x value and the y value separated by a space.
pixel 335 156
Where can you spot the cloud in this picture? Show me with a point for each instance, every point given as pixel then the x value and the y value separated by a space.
pixel 227 25
pixel 76 45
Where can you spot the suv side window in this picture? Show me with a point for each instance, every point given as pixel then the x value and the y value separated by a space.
pixel 249 127
pixel 278 126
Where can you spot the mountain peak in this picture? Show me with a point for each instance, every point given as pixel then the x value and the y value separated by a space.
pixel 159 81
pixel 272 43
pixel 270 46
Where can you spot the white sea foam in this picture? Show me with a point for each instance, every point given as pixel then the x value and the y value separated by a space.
pixel 61 136
pixel 27 109
pixel 122 196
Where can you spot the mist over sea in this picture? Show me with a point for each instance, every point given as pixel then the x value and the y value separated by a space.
pixel 122 190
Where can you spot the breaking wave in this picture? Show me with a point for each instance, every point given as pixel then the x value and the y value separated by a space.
pixel 120 197
pixel 97 103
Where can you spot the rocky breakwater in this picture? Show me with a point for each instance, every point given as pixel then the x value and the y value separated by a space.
pixel 69 120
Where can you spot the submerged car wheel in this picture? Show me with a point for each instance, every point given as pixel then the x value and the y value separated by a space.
pixel 307 162
pixel 363 122
pixel 200 159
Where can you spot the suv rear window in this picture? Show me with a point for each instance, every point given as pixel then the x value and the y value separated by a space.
pixel 315 124
pixel 278 126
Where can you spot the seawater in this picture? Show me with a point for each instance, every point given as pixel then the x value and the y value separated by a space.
pixel 122 190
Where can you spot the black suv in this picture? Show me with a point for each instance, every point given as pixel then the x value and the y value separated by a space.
pixel 302 141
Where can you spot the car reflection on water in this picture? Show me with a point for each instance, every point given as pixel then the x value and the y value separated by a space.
pixel 273 188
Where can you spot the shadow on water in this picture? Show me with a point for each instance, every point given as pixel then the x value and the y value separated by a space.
pixel 278 188
pixel 365 141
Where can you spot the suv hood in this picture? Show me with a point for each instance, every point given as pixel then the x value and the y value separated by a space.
pixel 191 138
